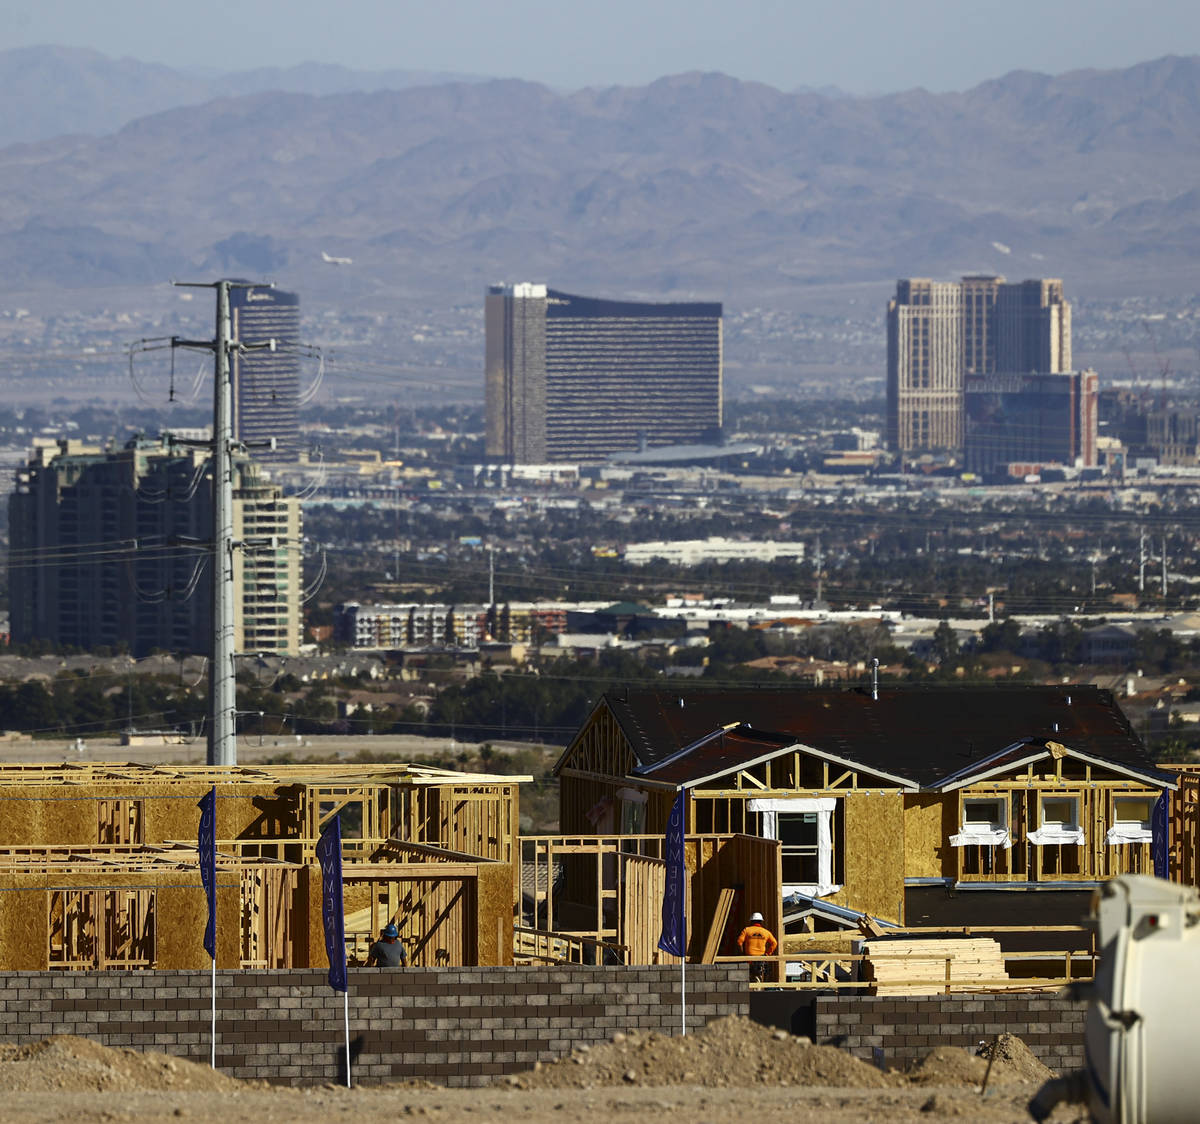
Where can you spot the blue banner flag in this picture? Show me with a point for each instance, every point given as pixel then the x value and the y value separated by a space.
pixel 1160 834
pixel 206 847
pixel 674 923
pixel 329 855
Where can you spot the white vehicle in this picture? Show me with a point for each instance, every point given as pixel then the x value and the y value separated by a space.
pixel 1144 1016
pixel 328 260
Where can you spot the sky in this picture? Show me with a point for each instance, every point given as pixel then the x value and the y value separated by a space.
pixel 862 46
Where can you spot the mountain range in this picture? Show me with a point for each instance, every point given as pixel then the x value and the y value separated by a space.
pixel 697 184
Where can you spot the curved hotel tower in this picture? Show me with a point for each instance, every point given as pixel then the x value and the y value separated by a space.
pixel 577 379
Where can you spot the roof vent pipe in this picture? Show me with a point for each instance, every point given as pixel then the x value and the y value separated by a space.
pixel 875 679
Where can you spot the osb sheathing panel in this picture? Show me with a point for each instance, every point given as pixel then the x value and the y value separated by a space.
pixel 874 857
pixel 494 907
pixel 43 815
pixel 24 927
pixel 183 913
pixel 30 816
pixel 928 825
pixel 310 947
pixel 180 911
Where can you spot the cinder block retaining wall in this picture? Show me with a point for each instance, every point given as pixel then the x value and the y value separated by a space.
pixel 458 1026
pixel 907 1027
pixel 465 1026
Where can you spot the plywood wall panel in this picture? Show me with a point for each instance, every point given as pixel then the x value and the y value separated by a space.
pixel 928 825
pixel 874 855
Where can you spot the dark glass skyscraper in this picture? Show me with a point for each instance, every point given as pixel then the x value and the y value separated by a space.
pixel 573 378
pixel 266 384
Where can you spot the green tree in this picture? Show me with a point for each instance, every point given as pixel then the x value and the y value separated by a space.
pixel 1001 636
pixel 945 644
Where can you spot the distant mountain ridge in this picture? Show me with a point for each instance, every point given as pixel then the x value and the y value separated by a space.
pixel 57 91
pixel 693 184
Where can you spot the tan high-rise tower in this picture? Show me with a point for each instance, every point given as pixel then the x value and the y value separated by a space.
pixel 938 332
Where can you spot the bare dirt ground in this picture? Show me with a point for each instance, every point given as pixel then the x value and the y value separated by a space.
pixel 734 1071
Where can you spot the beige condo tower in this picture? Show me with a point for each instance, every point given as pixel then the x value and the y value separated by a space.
pixel 939 332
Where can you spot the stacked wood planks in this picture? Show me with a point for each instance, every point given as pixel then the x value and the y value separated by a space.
pixel 931 967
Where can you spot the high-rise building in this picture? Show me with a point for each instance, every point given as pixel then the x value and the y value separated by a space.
pixel 573 378
pixel 1030 421
pixel 106 548
pixel 266 381
pixel 939 332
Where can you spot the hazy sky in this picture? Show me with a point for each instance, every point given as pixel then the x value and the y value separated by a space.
pixel 860 45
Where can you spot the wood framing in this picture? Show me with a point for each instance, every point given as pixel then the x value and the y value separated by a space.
pixel 608 889
pixel 99 864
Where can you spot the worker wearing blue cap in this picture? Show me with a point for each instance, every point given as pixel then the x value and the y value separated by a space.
pixel 389 950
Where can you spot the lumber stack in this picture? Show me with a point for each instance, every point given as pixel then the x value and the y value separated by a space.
pixel 919 967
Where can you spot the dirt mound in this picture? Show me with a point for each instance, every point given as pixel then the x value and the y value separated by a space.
pixel 70 1064
pixel 731 1051
pixel 949 1065
pixel 1013 1057
pixel 1013 1064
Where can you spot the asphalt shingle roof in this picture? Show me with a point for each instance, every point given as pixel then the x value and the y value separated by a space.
pixel 920 733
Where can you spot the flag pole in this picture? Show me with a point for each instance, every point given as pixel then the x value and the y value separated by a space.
pixel 346 1008
pixel 213 1036
pixel 683 996
pixel 206 855
pixel 333 916
pixel 683 897
pixel 674 907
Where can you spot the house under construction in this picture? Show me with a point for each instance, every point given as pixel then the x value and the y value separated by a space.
pixel 100 865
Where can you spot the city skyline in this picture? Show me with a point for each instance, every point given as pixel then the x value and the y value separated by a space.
pixel 107 549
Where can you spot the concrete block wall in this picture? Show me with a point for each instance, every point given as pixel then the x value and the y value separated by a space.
pixel 457 1027
pixel 907 1027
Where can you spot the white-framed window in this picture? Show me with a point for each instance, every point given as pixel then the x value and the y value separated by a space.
pixel 804 828
pixel 1131 820
pixel 799 834
pixel 984 823
pixel 1058 821
pixel 985 813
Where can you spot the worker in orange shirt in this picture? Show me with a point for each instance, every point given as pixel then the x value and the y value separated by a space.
pixel 757 940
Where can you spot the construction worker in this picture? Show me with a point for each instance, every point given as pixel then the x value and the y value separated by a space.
pixel 389 950
pixel 757 940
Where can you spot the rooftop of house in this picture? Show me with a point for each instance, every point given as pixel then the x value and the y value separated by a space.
pixel 918 734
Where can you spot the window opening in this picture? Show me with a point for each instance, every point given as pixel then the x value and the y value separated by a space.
pixel 805 830
pixel 798 833
pixel 1131 820
pixel 1058 821
pixel 984 823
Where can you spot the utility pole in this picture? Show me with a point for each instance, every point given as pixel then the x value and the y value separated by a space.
pixel 222 685
pixel 1142 562
pixel 491 575
pixel 1164 567
pixel 222 745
